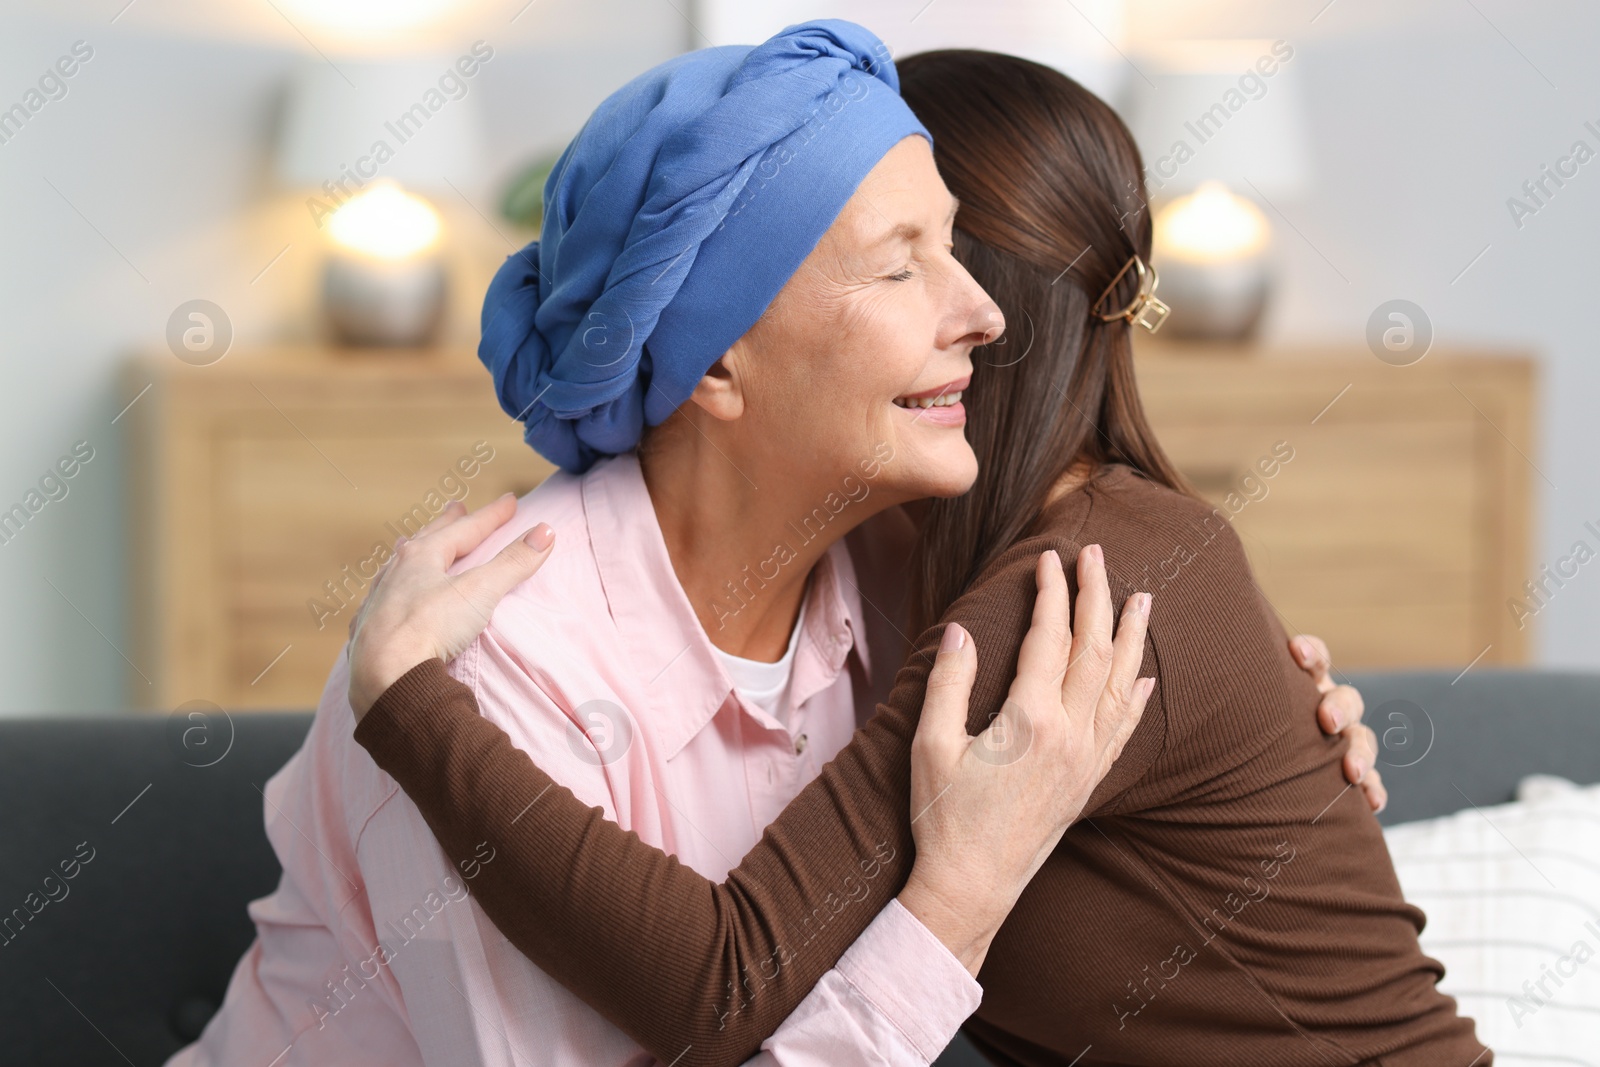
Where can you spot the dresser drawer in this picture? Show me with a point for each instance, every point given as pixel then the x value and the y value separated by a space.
pixel 1394 519
pixel 268 494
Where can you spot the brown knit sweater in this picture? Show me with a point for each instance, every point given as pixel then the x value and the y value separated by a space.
pixel 1225 899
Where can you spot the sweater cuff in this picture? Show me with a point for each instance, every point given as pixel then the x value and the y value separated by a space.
pixel 909 976
pixel 418 693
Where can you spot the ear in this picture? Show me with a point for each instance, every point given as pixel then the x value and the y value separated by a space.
pixel 720 392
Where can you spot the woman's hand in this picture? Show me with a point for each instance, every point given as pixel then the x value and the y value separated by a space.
pixel 987 811
pixel 416 611
pixel 1340 713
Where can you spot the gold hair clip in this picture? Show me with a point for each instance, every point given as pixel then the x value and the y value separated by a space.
pixel 1145 309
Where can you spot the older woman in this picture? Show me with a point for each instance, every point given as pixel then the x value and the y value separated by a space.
pixel 728 243
pixel 1217 905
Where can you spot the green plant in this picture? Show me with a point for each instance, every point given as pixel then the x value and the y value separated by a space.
pixel 523 202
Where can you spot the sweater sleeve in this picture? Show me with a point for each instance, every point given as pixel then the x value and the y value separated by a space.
pixel 698 972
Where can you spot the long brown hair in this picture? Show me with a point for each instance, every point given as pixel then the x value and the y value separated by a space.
pixel 1052 207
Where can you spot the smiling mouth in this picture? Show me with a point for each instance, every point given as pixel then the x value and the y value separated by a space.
pixel 945 395
pixel 942 401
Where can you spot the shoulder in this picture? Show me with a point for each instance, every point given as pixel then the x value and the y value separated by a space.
pixel 1174 546
pixel 1209 621
pixel 569 579
pixel 552 643
pixel 1220 648
pixel 1186 553
pixel 1151 535
pixel 554 612
pixel 557 501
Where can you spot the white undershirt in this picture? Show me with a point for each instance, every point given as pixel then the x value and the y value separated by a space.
pixel 766 685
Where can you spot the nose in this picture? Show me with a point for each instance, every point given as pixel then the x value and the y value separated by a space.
pixel 988 322
pixel 976 319
pixel 984 322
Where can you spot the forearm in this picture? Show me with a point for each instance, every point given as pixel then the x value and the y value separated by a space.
pixel 672 959
pixel 896 998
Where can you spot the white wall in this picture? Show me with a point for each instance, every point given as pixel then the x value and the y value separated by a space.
pixel 1422 133
pixel 1425 122
pixel 1077 37
pixel 163 144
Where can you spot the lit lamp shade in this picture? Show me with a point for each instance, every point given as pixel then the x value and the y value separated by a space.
pixel 1222 125
pixel 357 134
pixel 331 124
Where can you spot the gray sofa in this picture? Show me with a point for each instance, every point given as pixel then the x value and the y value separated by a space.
pixel 124 962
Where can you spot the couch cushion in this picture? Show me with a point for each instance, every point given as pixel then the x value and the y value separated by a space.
pixel 1447 739
pixel 128 847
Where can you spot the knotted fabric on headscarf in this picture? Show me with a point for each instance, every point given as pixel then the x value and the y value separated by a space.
pixel 686 202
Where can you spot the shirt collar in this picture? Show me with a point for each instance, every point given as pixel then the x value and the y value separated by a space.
pixel 832 626
pixel 661 635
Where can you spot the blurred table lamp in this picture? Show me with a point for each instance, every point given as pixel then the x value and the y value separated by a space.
pixel 356 138
pixel 1223 124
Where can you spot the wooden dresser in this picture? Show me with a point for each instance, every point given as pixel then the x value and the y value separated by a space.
pixel 1402 523
pixel 257 480
pixel 1397 529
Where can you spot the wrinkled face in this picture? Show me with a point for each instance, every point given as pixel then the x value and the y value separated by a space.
pixel 857 367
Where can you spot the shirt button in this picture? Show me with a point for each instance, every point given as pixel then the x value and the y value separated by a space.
pixel 799 744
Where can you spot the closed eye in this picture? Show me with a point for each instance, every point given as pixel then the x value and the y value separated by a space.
pixel 903 276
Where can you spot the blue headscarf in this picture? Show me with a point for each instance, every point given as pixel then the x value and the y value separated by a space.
pixel 682 207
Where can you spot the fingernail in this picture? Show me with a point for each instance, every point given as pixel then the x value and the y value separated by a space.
pixel 1302 648
pixel 1361 769
pixel 1055 557
pixel 954 637
pixel 1149 686
pixel 1143 605
pixel 540 537
pixel 1096 555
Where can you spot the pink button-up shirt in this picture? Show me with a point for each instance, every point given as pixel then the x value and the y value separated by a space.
pixel 372 951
